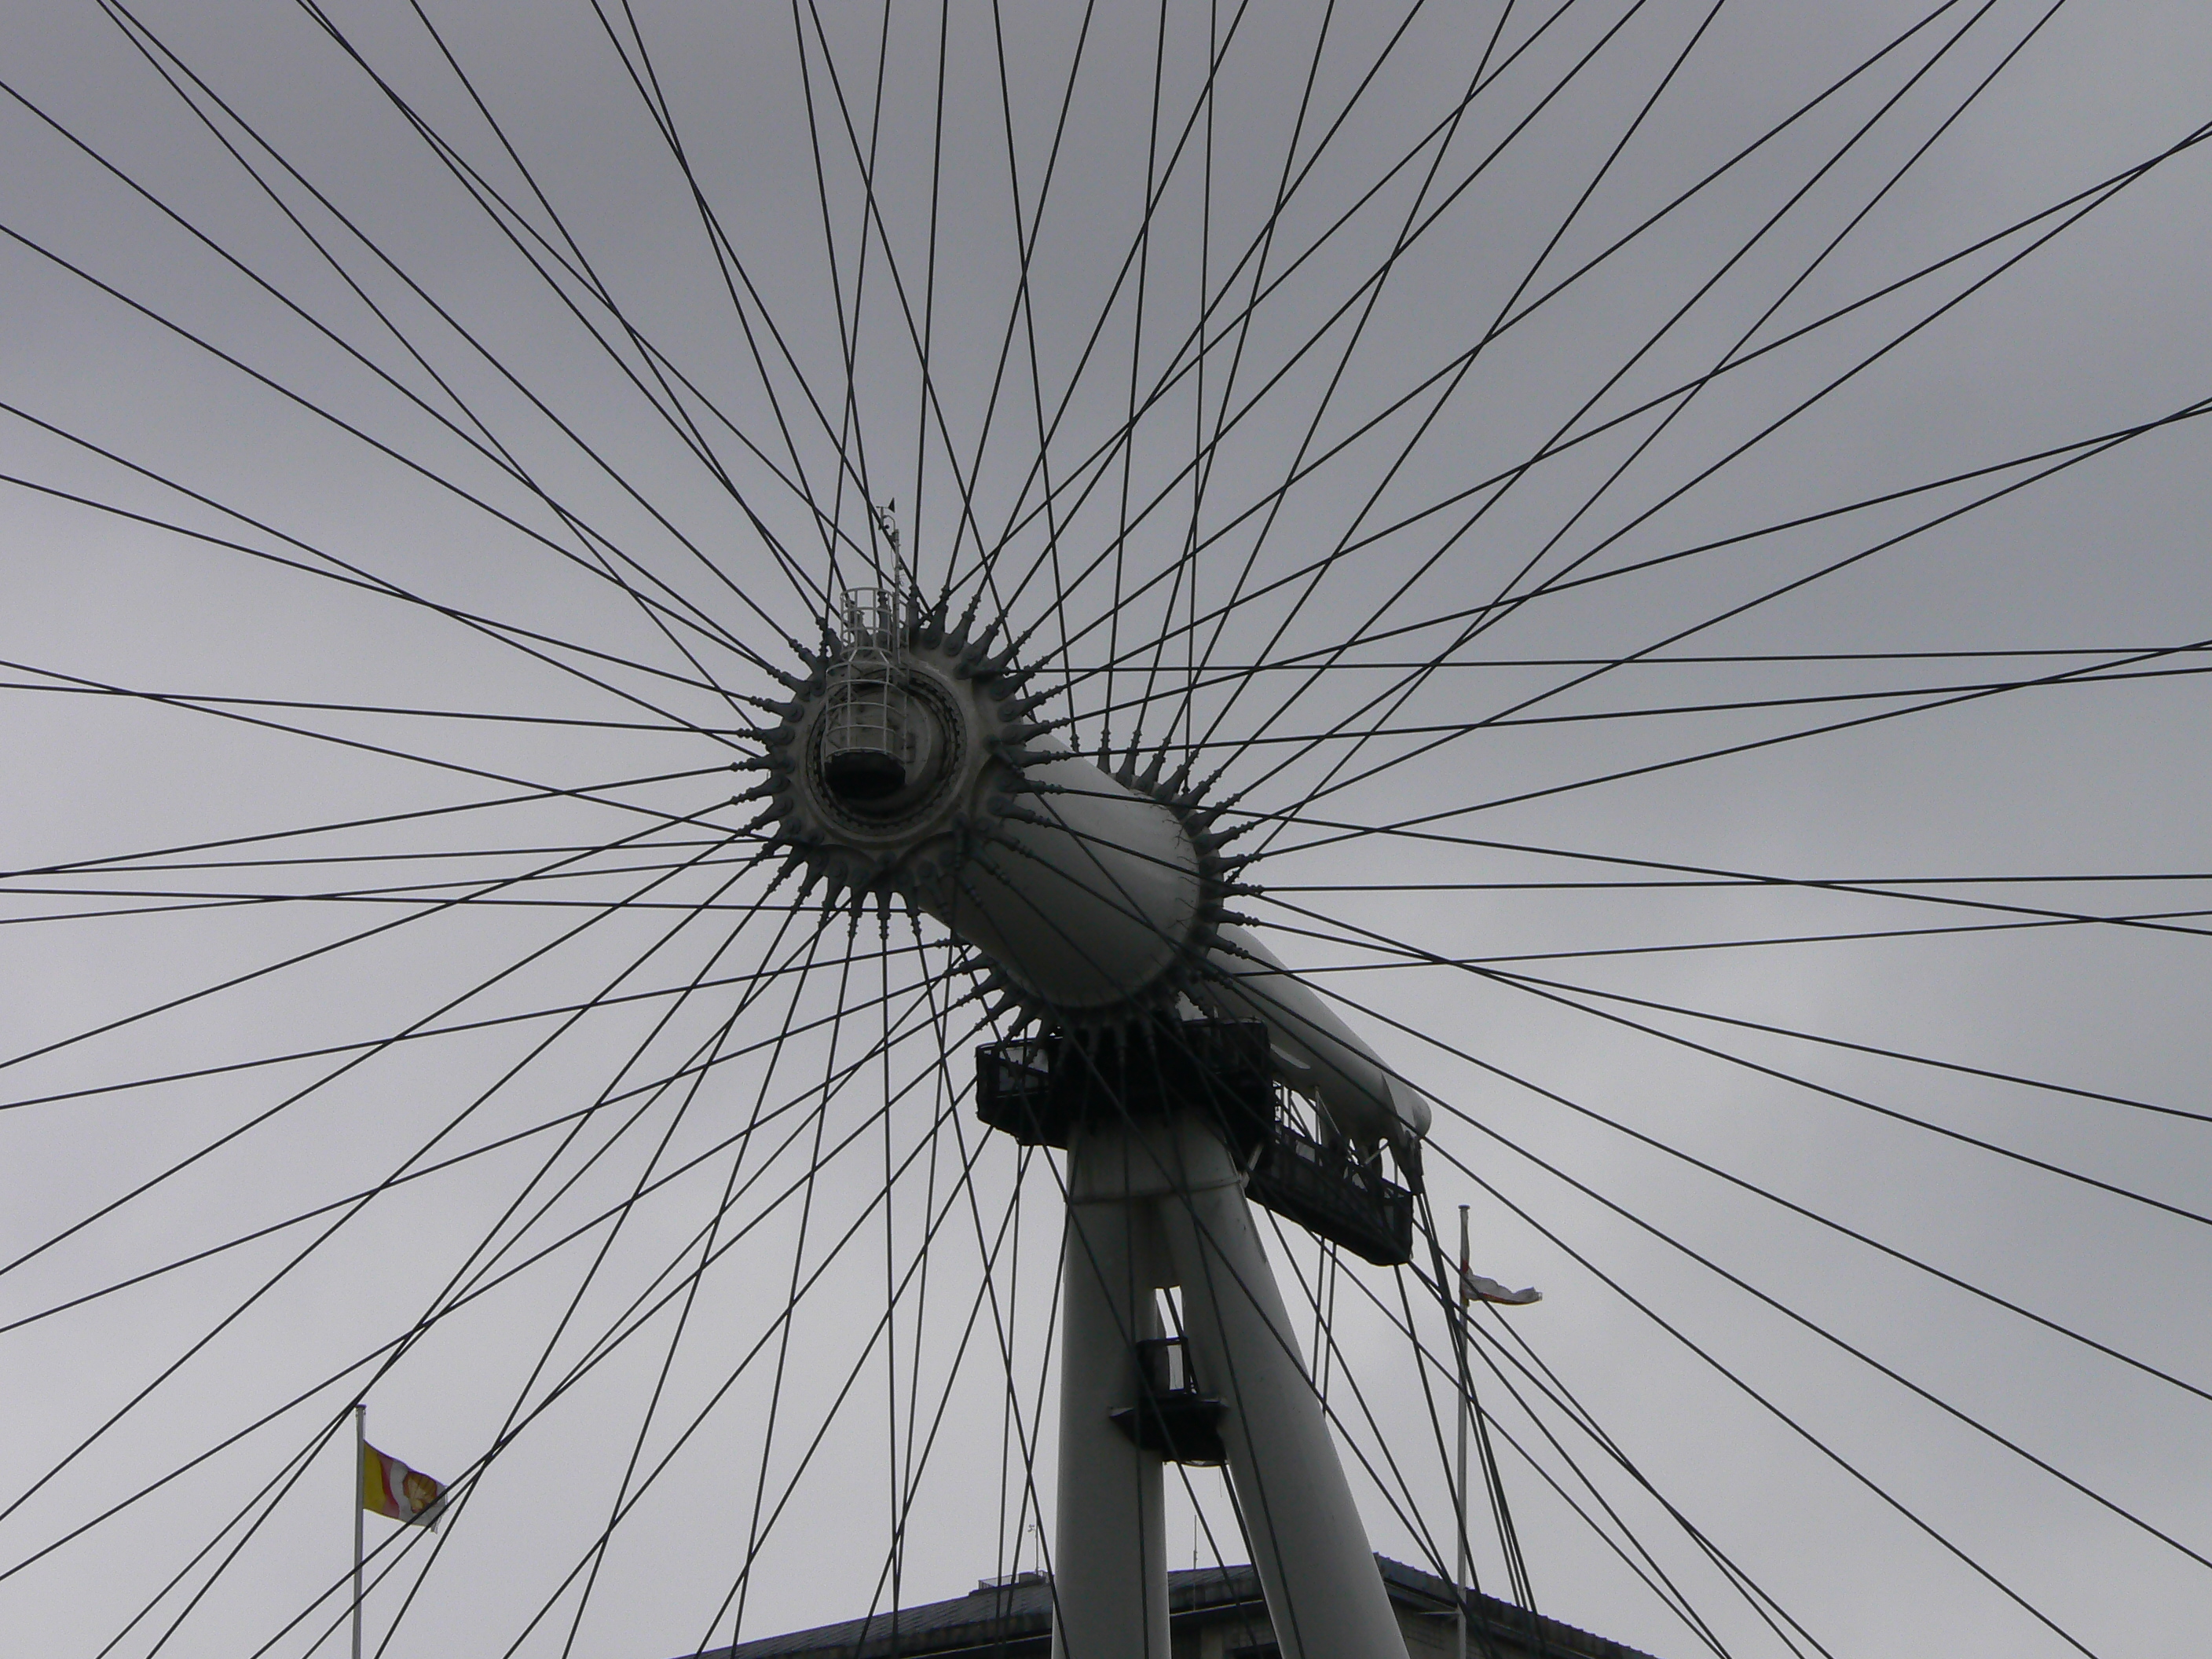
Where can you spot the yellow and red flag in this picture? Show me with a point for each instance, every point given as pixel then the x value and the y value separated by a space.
pixel 391 1489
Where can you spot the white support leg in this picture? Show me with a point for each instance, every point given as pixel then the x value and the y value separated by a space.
pixel 1110 1541
pixel 1158 1205
pixel 1324 1593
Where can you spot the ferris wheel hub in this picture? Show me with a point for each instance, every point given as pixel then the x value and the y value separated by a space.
pixel 908 765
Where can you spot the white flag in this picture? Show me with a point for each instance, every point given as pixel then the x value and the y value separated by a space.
pixel 1489 1289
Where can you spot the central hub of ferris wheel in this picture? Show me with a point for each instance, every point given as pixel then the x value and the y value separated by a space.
pixel 908 765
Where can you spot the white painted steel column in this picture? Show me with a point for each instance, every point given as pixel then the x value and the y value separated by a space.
pixel 1324 1593
pixel 1109 1535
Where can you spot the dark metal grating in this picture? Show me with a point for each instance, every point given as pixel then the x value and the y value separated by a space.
pixel 1040 1090
pixel 1335 1195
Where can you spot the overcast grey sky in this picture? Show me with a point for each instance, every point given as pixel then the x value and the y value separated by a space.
pixel 372 371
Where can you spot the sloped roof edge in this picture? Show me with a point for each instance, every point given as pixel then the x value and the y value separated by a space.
pixel 991 1614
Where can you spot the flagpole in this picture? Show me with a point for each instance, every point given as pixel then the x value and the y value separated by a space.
pixel 359 1509
pixel 1458 1487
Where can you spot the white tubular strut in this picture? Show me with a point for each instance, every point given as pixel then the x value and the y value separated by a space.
pixel 1167 1203
pixel 1109 1540
pixel 1315 1052
pixel 1089 910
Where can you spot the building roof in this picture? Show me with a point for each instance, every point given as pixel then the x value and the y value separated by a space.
pixel 1019 1611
